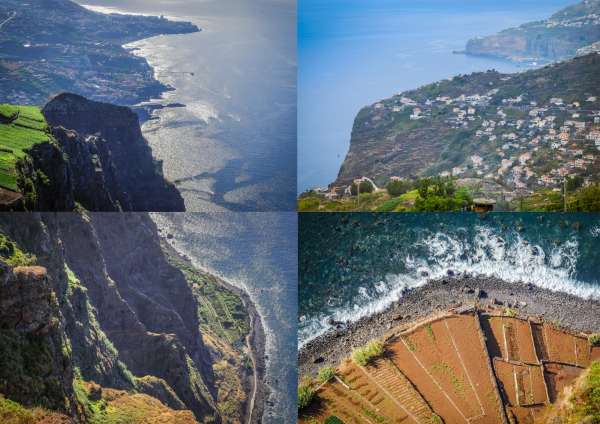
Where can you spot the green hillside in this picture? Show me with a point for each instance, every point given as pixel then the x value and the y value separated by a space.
pixel 20 128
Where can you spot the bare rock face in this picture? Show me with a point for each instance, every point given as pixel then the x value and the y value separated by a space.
pixel 106 164
pixel 34 362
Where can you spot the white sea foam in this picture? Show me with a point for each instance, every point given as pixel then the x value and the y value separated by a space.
pixel 486 254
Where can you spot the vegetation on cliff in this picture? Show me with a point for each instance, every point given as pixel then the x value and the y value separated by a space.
pixel 505 137
pixel 182 355
pixel 422 195
pixel 20 128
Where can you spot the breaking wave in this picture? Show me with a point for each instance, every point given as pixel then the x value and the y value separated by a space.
pixel 484 252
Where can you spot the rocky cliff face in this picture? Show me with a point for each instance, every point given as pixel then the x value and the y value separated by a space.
pixel 109 165
pixel 556 38
pixel 34 359
pixel 106 307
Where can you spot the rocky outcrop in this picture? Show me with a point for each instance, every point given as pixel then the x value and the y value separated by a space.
pixel 35 367
pixel 100 160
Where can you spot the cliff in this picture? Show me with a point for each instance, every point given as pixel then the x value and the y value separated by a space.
pixel 80 154
pixel 519 131
pixel 559 37
pixel 107 316
pixel 111 163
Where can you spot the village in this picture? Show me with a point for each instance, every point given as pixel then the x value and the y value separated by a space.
pixel 516 142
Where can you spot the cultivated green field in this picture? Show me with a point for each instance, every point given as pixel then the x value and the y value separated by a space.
pixel 20 128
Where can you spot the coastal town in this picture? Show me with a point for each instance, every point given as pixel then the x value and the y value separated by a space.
pixel 504 137
pixel 70 48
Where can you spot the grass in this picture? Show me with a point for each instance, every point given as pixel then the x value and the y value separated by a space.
pixel 305 395
pixel 363 355
pixel 509 312
pixel 445 369
pixel 325 374
pixel 585 400
pixel 20 128
pixel 111 406
pixel 14 413
pixel 13 255
pixel 374 416
pixel 333 420
pixel 221 311
pixel 595 339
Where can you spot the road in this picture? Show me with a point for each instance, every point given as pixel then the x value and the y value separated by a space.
pixel 255 371
pixel 10 18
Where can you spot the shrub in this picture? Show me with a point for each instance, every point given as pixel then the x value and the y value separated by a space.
pixel 595 339
pixel 363 355
pixel 396 188
pixel 586 401
pixel 365 187
pixel 305 395
pixel 333 420
pixel 510 312
pixel 325 374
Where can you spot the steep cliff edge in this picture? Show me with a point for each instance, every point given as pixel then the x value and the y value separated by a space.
pixel 559 37
pixel 520 131
pixel 76 152
pixel 111 319
pixel 109 151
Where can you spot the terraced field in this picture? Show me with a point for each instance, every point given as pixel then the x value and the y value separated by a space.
pixel 474 366
pixel 20 128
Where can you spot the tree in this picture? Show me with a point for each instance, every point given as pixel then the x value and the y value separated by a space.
pixel 365 187
pixel 398 187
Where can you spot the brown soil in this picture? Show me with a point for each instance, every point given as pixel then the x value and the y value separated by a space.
pixel 514 338
pixel 467 365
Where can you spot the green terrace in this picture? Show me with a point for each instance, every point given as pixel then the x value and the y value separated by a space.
pixel 20 128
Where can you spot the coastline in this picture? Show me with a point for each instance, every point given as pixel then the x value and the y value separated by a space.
pixel 256 340
pixel 148 96
pixel 567 310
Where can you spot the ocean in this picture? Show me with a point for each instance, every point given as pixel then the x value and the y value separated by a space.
pixel 352 53
pixel 258 253
pixel 233 145
pixel 357 264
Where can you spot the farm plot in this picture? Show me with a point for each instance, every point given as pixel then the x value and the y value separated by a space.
pixel 566 348
pixel 380 402
pixel 403 356
pixel 20 128
pixel 513 337
pixel 523 385
pixel 558 376
pixel 391 379
pixel 539 341
pixel 333 399
pixel 470 345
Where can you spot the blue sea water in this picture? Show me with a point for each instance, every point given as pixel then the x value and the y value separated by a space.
pixel 352 53
pixel 233 147
pixel 356 264
pixel 258 253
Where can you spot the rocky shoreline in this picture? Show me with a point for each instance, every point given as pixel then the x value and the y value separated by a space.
pixel 565 310
pixel 256 338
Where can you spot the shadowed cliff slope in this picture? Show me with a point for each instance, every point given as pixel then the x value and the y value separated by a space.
pixel 94 298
